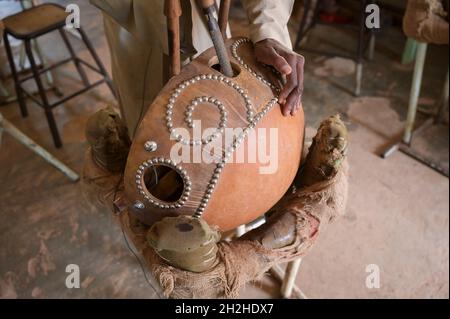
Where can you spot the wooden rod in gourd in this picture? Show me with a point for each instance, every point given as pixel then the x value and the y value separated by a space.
pixel 210 12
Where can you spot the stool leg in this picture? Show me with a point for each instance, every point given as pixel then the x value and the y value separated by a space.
pixel 359 53
pixel 289 278
pixel 97 60
pixel 74 57
pixel 48 75
pixel 19 93
pixel 37 49
pixel 372 38
pixel 415 92
pixel 372 44
pixel 443 103
pixel 42 93
pixel 301 29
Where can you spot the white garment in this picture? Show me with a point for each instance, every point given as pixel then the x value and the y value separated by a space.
pixel 137 36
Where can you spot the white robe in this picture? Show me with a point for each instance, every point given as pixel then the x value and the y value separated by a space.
pixel 137 36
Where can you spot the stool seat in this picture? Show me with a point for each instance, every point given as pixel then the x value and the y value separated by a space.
pixel 35 21
pixel 27 26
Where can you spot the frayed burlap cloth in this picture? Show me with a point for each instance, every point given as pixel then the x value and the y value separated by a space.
pixel 240 261
pixel 425 21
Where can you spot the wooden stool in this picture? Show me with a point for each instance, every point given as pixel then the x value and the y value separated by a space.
pixel 311 18
pixel 31 24
pixel 404 145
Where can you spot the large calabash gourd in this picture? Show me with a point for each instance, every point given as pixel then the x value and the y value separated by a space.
pixel 235 184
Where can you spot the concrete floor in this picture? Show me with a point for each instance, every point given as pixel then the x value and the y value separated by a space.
pixel 397 216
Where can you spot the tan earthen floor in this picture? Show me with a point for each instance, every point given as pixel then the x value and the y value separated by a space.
pixel 397 214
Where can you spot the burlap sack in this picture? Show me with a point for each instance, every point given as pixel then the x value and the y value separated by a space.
pixel 425 21
pixel 303 214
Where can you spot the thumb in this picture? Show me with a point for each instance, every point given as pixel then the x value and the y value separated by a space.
pixel 271 57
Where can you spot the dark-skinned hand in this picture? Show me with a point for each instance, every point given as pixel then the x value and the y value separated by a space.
pixel 289 64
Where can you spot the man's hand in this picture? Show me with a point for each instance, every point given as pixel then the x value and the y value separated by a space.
pixel 288 63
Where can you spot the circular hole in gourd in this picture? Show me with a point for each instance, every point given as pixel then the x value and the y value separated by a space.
pixel 214 64
pixel 164 183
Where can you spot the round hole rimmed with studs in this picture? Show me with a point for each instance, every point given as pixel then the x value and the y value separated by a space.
pixel 163 184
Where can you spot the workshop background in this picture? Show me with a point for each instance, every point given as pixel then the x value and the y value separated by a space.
pixel 398 210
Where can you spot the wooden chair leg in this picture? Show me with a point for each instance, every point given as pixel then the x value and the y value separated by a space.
pixel 19 93
pixel 48 111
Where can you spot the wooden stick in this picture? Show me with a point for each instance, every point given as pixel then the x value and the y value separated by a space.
pixel 30 144
pixel 209 10
pixel 224 16
pixel 172 11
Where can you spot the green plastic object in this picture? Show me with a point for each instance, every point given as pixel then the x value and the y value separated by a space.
pixel 409 53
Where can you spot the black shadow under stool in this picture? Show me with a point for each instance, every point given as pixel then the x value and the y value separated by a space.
pixel 31 24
